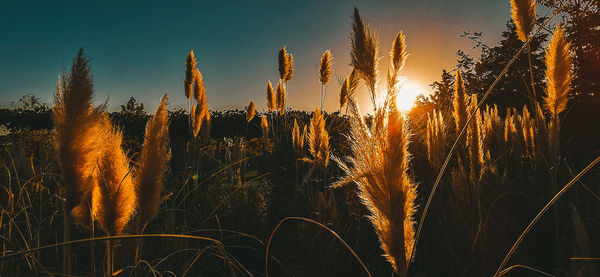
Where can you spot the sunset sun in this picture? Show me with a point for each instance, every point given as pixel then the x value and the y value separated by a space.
pixel 408 94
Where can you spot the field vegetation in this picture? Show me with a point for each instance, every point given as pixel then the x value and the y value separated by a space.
pixel 495 173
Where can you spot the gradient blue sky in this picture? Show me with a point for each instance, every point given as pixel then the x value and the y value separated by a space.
pixel 139 49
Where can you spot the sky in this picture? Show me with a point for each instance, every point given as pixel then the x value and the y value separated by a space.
pixel 139 48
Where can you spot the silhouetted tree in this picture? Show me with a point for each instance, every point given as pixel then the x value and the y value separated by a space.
pixel 133 107
pixel 29 102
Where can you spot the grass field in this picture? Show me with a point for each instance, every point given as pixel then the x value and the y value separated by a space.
pixel 467 190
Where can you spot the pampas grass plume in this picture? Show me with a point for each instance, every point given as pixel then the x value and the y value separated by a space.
pixel 523 15
pixel 250 111
pixel 474 147
pixel 290 67
pixel 199 89
pixel 398 52
pixel 558 73
pixel 190 70
pixel 318 139
pixel 271 100
pixel 459 103
pixel 264 124
pixel 114 199
pixel 379 166
pixel 325 67
pixel 199 112
pixel 283 63
pixel 297 138
pixel 153 164
pixel 344 93
pixel 77 126
pixel 281 97
pixel 364 51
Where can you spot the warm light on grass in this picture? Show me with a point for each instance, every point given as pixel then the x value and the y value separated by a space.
pixel 408 95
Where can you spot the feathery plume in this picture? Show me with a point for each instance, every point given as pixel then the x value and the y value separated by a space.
pixel 473 141
pixel 77 126
pixel 344 93
pixel 153 164
pixel 523 15
pixel 353 80
pixel 281 97
pixel 364 52
pixel 199 113
pixel 493 132
pixel 290 67
pixel 379 166
pixel 264 124
pixel 250 111
pixel 558 73
pixel 297 139
pixel 325 67
pixel 283 63
pixel 271 100
pixel 436 138
pixel 199 89
pixel 527 124
pixel 114 199
pixel 190 70
pixel 318 139
pixel 398 52
pixel 397 56
pixel 460 104
pixel 206 125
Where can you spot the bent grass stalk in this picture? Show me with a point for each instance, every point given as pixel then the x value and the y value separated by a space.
pixel 542 212
pixel 218 243
pixel 318 224
pixel 463 130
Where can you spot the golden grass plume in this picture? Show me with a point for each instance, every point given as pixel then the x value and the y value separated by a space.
pixel 198 117
pixel 271 100
pixel 264 124
pixel 318 139
pixel 77 126
pixel 493 132
pixel 281 97
pixel 379 167
pixel 325 67
pixel 398 57
pixel 283 63
pixel 436 138
pixel 290 67
pixel 523 15
pixel 344 93
pixel 199 89
pixel 250 111
pixel 460 104
pixel 297 138
pixel 364 51
pixel 190 71
pixel 153 164
pixel 114 198
pixel 558 73
pixel 474 147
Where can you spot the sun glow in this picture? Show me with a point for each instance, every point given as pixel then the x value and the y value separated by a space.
pixel 407 95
